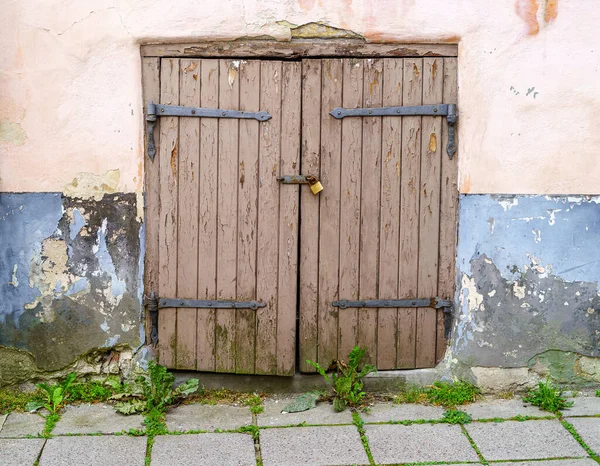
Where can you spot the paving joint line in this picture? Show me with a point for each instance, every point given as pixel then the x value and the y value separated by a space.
pixel 39 456
pixel 473 444
pixel 256 438
pixel 570 428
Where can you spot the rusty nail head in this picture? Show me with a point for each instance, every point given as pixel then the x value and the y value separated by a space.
pixel 193 112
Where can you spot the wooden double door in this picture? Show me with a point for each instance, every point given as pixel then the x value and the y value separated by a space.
pixel 220 225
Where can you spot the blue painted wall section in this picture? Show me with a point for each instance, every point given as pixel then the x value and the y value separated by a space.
pixel 527 279
pixel 70 276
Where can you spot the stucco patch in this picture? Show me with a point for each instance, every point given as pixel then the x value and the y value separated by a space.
pixel 12 132
pixel 91 186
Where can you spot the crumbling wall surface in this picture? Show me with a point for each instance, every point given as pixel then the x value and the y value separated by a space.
pixel 527 283
pixel 70 278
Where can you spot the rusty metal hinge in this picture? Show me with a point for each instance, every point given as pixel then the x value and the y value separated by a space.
pixel 436 303
pixel 447 110
pixel 154 303
pixel 158 110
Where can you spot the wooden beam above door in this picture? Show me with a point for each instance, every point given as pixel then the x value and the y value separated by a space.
pixel 297 49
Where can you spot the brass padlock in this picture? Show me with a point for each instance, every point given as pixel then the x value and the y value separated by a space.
pixel 315 185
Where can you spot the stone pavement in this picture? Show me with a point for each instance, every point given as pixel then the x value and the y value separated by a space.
pixel 503 432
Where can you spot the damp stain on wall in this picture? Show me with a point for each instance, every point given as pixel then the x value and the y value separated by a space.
pixel 69 275
pixel 527 279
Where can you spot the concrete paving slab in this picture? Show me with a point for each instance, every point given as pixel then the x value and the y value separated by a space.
pixel 392 444
pixel 386 412
pixel 513 440
pixel 502 408
pixel 323 414
pixel 22 425
pixel 17 452
pixel 583 406
pixel 207 417
pixel 573 462
pixel 94 451
pixel 199 449
pixel 327 445
pixel 589 430
pixel 2 419
pixel 92 419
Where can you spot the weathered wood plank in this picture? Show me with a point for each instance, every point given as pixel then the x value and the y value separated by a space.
pixel 370 207
pixel 247 216
pixel 350 203
pixel 429 227
pixel 168 161
pixel 268 214
pixel 207 245
pixel 227 194
pixel 387 321
pixel 151 91
pixel 187 213
pixel 448 209
pixel 309 205
pixel 409 211
pixel 297 49
pixel 329 212
pixel 291 100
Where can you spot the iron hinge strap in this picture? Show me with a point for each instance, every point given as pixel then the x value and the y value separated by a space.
pixel 153 303
pixel 447 110
pixel 158 110
pixel 436 303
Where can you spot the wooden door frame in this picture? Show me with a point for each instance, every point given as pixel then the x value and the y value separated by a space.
pixel 151 55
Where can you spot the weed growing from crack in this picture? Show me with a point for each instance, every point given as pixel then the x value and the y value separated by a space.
pixel 360 426
pixel 346 381
pixel 454 416
pixel 548 397
pixel 51 420
pixel 255 404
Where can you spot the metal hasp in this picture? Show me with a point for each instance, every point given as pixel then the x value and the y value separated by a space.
pixel 297 179
pixel 154 304
pixel 436 303
pixel 158 110
pixel 447 110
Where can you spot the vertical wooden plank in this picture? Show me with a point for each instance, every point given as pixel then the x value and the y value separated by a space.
pixel 429 228
pixel 288 219
pixel 350 203
pixel 448 208
pixel 409 211
pixel 390 214
pixel 370 207
pixel 268 215
pixel 329 212
pixel 309 206
pixel 229 97
pixel 187 213
pixel 247 217
pixel 169 155
pixel 151 91
pixel 207 205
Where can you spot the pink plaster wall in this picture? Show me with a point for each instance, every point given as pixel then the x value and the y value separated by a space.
pixel 70 96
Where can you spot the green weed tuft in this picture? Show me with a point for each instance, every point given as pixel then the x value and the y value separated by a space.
pixel 547 397
pixel 17 400
pixel 347 382
pixel 454 416
pixel 54 396
pixel 454 394
pixel 255 404
pixel 411 394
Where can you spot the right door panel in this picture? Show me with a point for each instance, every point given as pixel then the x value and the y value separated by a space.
pixel 385 225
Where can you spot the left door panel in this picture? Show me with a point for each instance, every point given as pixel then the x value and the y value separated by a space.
pixel 224 228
